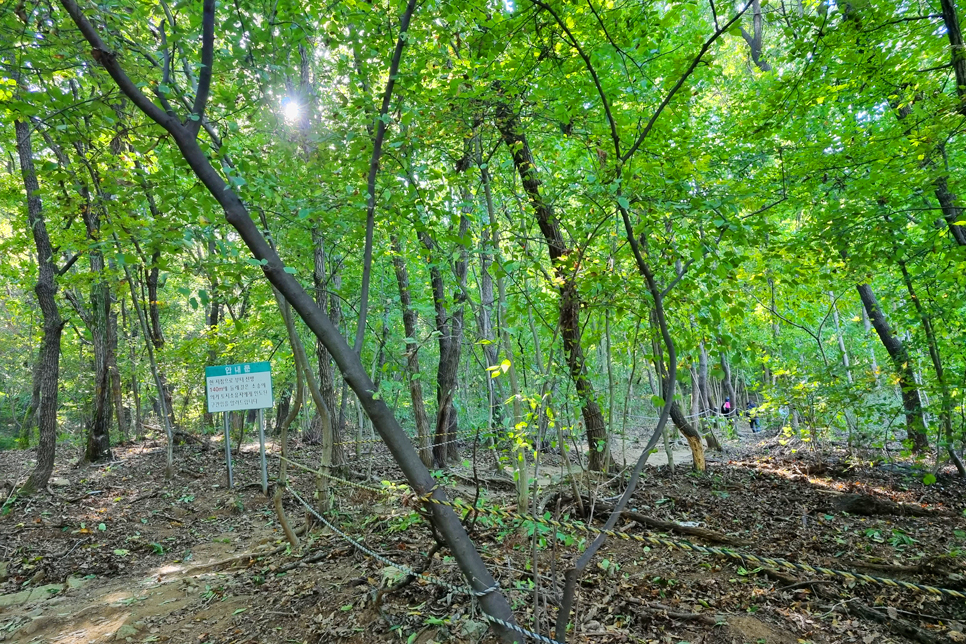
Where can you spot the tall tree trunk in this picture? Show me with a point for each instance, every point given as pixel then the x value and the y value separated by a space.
pixel 508 124
pixel 957 51
pixel 868 328
pixel 413 375
pixel 321 278
pixel 946 399
pixel 48 360
pixel 501 323
pixel 163 411
pixel 213 314
pixel 450 328
pixel 99 422
pixel 491 347
pixel 706 405
pixel 841 338
pixel 729 389
pixel 326 380
pixel 912 405
pixel 30 414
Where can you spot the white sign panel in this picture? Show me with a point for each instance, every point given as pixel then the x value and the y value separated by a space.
pixel 233 387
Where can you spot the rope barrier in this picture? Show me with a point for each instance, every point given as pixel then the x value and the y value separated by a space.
pixel 681 544
pixel 332 477
pixel 675 544
pixel 465 590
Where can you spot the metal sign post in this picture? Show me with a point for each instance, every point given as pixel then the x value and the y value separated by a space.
pixel 226 421
pixel 237 387
pixel 261 450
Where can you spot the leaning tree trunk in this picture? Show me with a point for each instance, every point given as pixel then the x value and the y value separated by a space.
pixel 911 403
pixel 508 124
pixel 413 375
pixel 48 360
pixel 492 600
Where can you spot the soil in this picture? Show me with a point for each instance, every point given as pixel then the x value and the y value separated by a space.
pixel 114 552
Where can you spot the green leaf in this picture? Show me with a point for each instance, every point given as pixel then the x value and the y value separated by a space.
pixel 624 203
pixel 929 479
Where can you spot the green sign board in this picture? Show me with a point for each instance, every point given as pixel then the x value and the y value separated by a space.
pixel 233 387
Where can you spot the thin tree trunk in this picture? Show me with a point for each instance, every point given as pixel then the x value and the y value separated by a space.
pixel 413 375
pixel 508 124
pixel 164 414
pixel 491 347
pixel 911 403
pixel 301 359
pixel 30 414
pixel 729 389
pixel 677 416
pixel 326 379
pixel 48 359
pixel 841 338
pixel 946 400
pixel 705 393
pixel 501 309
pixel 868 328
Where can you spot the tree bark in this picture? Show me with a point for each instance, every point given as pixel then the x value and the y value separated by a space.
pixel 957 49
pixel 48 360
pixel 508 123
pixel 413 374
pixel 99 318
pixel 911 403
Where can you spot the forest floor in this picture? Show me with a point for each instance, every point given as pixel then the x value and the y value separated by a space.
pixel 113 552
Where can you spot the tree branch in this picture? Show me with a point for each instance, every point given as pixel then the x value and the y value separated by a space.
pixel 207 60
pixel 593 73
pixel 108 60
pixel 677 86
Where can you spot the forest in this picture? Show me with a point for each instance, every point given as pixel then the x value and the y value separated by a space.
pixel 586 321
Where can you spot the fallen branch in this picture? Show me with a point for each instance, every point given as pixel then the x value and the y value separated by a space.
pixel 892 622
pixel 661 609
pixel 670 526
